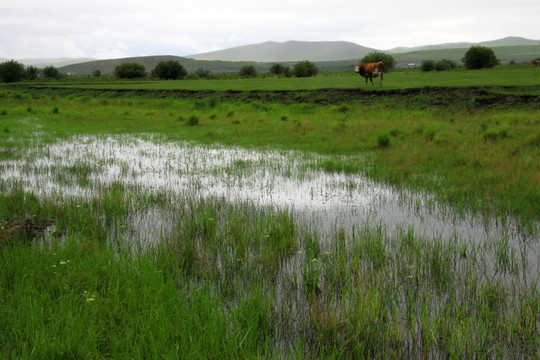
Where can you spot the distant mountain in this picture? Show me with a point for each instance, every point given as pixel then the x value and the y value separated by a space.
pixel 289 51
pixel 150 62
pixel 508 41
pixel 328 55
pixel 40 63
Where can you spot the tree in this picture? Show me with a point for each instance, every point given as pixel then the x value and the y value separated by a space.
pixel 169 70
pixel 278 69
pixel 32 72
pixel 428 65
pixel 248 71
pixel 203 73
pixel 479 57
pixel 305 69
pixel 376 56
pixel 130 70
pixel 50 72
pixel 96 73
pixel 12 71
pixel 444 65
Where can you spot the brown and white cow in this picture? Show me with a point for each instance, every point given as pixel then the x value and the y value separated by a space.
pixel 370 71
pixel 537 63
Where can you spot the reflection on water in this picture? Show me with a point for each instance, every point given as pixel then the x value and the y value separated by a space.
pixel 320 200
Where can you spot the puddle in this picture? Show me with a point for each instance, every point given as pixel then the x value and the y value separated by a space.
pixel 319 200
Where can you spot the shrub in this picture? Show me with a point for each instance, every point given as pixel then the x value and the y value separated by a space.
pixel 490 135
pixel 445 65
pixel 278 69
pixel 428 65
pixel 130 70
pixel 50 72
pixel 169 70
pixel 32 72
pixel 96 73
pixel 248 71
pixel 202 73
pixel 383 141
pixel 478 57
pixel 343 108
pixel 305 69
pixel 12 71
pixel 193 120
pixel 376 56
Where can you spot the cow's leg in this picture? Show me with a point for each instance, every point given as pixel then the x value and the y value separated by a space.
pixel 380 83
pixel 371 79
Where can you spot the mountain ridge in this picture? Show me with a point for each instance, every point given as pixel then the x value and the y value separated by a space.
pixel 293 50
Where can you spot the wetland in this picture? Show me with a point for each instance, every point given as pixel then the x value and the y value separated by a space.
pixel 165 226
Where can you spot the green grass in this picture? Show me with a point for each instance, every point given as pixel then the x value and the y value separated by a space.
pixel 219 286
pixel 239 281
pixel 465 152
pixel 499 76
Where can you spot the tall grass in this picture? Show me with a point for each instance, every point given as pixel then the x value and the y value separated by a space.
pixel 237 281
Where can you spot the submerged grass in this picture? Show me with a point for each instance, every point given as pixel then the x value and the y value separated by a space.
pixel 475 156
pixel 243 282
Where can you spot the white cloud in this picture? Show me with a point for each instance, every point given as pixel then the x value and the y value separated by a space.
pixel 115 28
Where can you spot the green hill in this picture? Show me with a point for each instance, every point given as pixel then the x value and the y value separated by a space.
pixel 329 56
pixel 520 53
pixel 289 51
pixel 150 62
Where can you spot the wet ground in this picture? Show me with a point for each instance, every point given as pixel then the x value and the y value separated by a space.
pixel 321 201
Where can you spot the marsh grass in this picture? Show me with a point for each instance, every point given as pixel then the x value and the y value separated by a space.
pixel 238 281
pixel 129 271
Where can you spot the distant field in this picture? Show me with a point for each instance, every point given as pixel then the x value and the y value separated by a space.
pixel 522 53
pixel 500 77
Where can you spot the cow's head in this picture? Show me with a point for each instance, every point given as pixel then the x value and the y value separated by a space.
pixel 357 69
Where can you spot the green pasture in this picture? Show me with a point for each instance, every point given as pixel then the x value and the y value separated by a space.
pixel 404 79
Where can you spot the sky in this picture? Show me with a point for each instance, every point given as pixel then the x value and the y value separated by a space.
pixel 105 29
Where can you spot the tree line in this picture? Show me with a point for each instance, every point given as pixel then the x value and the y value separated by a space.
pixel 477 57
pixel 13 71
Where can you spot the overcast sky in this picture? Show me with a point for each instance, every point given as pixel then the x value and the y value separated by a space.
pixel 114 28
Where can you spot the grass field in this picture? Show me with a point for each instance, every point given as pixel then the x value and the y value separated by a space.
pixel 502 76
pixel 151 256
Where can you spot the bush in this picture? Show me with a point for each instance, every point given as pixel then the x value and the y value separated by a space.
pixel 130 70
pixel 96 73
pixel 32 72
pixel 248 71
pixel 50 72
pixel 193 120
pixel 12 71
pixel 445 65
pixel 428 65
pixel 169 70
pixel 376 56
pixel 305 69
pixel 383 141
pixel 490 135
pixel 278 69
pixel 479 57
pixel 202 73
